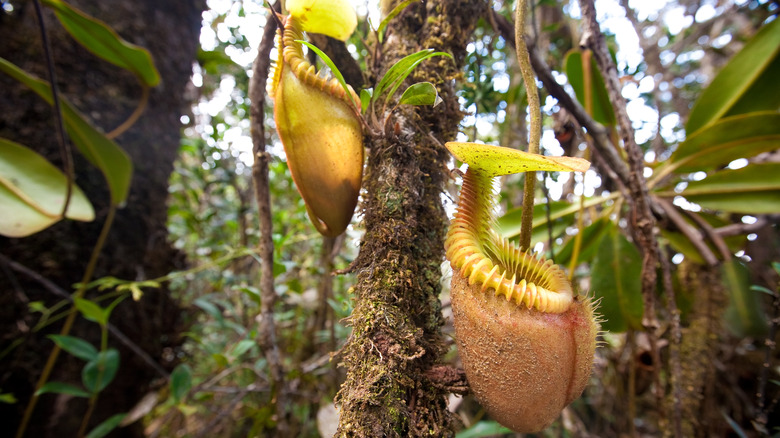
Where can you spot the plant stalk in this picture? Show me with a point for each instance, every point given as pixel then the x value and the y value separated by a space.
pixel 49 367
pixel 534 110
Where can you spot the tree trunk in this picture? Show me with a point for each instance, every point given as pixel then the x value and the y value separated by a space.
pixel 395 385
pixel 137 246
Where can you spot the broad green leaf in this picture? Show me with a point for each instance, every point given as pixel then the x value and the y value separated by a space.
pixel 98 373
pixel 483 429
pixel 396 10
pixel 181 382
pixel 602 110
pixel 616 280
pixel 421 93
pixel 753 189
pixel 736 79
pixel 97 37
pixel 101 151
pixel 334 18
pixel 75 346
pixel 744 315
pixel 498 160
pixel 396 74
pixel 91 311
pixel 591 240
pixel 335 70
pixel 62 388
pixel 106 426
pixel 32 192
pixel 7 398
pixel 741 136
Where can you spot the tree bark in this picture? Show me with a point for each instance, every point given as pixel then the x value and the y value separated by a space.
pixel 137 246
pixel 394 386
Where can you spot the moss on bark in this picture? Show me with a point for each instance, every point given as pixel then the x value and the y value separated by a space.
pixel 396 339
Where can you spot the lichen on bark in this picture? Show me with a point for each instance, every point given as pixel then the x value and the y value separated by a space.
pixel 396 343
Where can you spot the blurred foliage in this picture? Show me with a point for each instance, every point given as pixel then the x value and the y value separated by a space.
pixel 221 386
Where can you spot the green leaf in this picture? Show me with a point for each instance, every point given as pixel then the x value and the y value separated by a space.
pixel 242 347
pixel 101 151
pixel 744 315
pixel 483 429
pixel 32 192
pixel 335 70
pixel 104 42
pixel 181 382
pixel 7 398
pixel 62 388
pixel 508 225
pixel 421 93
pixel 498 160
pixel 91 311
pixel 741 136
pixel 616 280
pixel 734 82
pixel 602 110
pixel 753 189
pixel 396 10
pixel 365 99
pixel 396 74
pixel 98 373
pixel 106 426
pixel 75 346
pixel 591 241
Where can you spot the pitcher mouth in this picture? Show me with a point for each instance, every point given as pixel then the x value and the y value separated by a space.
pixel 483 257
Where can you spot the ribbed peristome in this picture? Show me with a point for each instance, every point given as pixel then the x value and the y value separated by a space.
pixel 480 255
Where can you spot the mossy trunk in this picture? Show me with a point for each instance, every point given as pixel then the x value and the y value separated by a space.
pixel 396 342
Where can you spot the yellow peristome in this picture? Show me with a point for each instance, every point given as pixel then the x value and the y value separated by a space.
pixel 323 141
pixel 497 160
pixel 334 18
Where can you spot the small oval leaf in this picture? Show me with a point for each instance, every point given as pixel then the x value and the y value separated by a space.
pixel 62 388
pixel 421 93
pixel 75 346
pixel 181 382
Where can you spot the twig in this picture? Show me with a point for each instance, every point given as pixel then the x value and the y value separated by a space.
pixel 690 233
pixel 260 177
pixel 738 229
pixel 205 430
pixel 56 290
pixel 709 230
pixel 674 348
pixel 65 152
pixel 55 352
pixel 133 117
pixel 643 222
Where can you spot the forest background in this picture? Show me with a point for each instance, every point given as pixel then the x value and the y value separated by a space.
pixel 175 304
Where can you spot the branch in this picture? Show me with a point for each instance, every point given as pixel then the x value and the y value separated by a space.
pixel 643 222
pixel 267 332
